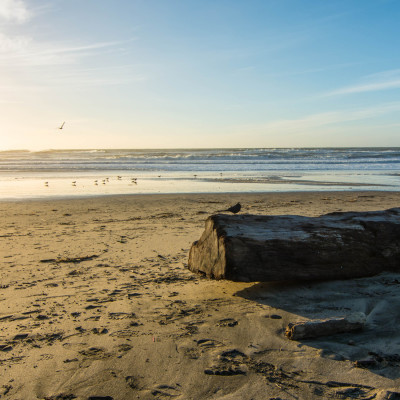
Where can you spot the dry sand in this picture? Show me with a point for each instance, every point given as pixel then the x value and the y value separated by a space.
pixel 96 303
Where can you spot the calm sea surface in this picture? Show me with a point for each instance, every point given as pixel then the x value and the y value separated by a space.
pixel 64 173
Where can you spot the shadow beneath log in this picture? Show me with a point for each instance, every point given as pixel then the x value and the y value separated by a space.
pixel 376 347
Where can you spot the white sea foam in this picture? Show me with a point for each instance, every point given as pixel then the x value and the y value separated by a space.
pixel 22 173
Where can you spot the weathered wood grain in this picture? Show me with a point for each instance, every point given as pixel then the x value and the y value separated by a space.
pixel 291 247
pixel 325 327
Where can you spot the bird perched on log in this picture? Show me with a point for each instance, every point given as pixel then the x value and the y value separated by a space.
pixel 234 209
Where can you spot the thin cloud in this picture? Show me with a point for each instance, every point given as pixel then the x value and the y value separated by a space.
pixel 384 80
pixel 330 118
pixel 370 87
pixel 53 64
pixel 24 51
pixel 312 70
pixel 113 75
pixel 384 74
pixel 79 49
pixel 16 44
pixel 14 10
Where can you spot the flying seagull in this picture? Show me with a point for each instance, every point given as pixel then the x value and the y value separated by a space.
pixel 62 125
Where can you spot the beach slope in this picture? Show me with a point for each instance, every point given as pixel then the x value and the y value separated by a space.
pixel 96 300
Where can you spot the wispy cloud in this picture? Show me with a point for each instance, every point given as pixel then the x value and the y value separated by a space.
pixel 102 76
pixel 329 118
pixel 12 45
pixel 29 64
pixel 309 71
pixel 24 51
pixel 369 87
pixel 79 49
pixel 25 62
pixel 14 10
pixel 385 80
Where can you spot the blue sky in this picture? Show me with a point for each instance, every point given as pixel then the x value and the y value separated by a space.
pixel 209 73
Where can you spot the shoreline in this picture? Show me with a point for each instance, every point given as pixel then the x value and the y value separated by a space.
pixel 96 300
pixel 79 184
pixel 196 194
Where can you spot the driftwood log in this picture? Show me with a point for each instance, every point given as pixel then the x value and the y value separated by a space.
pixel 325 327
pixel 255 248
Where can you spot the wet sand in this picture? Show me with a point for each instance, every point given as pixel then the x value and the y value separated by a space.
pixel 96 302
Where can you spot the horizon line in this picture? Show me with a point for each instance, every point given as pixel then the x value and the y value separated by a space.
pixel 195 148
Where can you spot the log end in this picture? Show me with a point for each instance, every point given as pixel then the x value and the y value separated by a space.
pixel 207 255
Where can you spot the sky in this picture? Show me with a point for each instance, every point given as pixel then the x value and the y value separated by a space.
pixel 199 73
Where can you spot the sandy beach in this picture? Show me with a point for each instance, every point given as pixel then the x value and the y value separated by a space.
pixel 96 302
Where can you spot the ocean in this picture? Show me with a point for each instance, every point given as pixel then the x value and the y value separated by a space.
pixel 96 172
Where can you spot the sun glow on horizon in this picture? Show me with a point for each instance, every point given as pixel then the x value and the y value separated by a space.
pixel 153 77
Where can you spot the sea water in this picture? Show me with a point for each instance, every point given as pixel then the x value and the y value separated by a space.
pixel 65 173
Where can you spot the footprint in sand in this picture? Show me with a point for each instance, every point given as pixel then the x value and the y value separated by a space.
pixel 208 343
pixel 96 353
pixel 227 322
pixel 132 382
pixel 165 391
pixel 228 363
pixel 5 347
